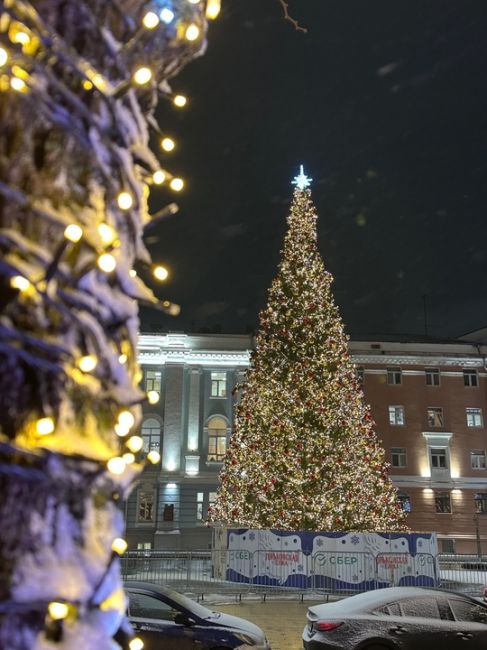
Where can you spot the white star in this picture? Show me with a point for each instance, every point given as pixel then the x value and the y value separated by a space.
pixel 302 181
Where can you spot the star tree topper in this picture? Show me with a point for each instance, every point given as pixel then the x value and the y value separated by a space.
pixel 301 180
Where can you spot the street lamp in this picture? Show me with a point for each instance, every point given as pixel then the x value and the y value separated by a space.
pixel 478 510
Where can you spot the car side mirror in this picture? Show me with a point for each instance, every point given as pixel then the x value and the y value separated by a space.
pixel 182 619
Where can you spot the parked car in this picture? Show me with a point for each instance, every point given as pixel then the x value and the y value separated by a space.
pixel 398 618
pixel 163 618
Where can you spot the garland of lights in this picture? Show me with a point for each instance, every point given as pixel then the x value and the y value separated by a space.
pixel 79 81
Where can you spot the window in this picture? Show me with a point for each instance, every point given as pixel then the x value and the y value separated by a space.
pixel 152 379
pixel 151 434
pixel 199 506
pixel 470 378
pixel 394 376
pixel 474 417
pixel 145 509
pixel 211 498
pixel 447 545
pixel 404 500
pixel 432 377
pixel 398 456
pixel 477 459
pixel 438 458
pixel 396 415
pixel 443 502
pixel 217 439
pixel 480 500
pixel 218 384
pixel 144 546
pixel 420 607
pixel 468 612
pixel 143 606
pixel 360 374
pixel 435 416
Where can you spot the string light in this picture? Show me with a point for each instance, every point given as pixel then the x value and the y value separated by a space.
pixel 168 144
pixel 213 8
pixel 166 15
pixel 133 273
pixel 3 56
pixel 73 233
pixel 107 233
pixel 194 2
pixel 57 611
pixel 87 85
pixel 154 457
pixel 136 643
pixel 107 263
pixel 192 32
pixel 142 75
pixel 45 426
pixel 135 444
pixel 180 101
pixel 125 201
pixel 129 458
pixel 158 177
pixel 87 363
pixel 152 397
pixel 176 184
pixel 150 20
pixel 160 273
pixel 20 283
pixel 18 84
pixel 119 545
pixel 122 359
pixel 116 465
pixel 126 418
pixel 20 37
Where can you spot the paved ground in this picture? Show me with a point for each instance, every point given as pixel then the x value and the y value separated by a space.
pixel 282 620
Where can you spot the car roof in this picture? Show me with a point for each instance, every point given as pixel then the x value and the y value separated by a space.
pixel 150 586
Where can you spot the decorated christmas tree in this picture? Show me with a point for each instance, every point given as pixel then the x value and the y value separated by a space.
pixel 303 453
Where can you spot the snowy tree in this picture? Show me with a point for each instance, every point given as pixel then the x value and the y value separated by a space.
pixel 78 84
pixel 303 453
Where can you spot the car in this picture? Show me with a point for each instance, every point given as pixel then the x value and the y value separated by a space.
pixel 164 618
pixel 398 618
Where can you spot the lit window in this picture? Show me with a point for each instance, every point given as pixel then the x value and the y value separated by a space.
pixel 438 458
pixel 152 380
pixel 151 435
pixel 217 439
pixel 394 376
pixel 435 416
pixel 144 546
pixel 480 500
pixel 404 500
pixel 199 506
pixel 398 457
pixel 432 377
pixel 396 415
pixel 443 502
pixel 218 384
pixel 477 459
pixel 474 417
pixel 145 509
pixel 211 498
pixel 470 378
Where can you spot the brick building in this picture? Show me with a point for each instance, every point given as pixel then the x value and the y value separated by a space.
pixel 428 400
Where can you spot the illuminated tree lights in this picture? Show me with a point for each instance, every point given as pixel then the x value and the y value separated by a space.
pixel 303 453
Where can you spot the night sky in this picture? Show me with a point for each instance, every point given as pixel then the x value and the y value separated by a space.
pixel 385 103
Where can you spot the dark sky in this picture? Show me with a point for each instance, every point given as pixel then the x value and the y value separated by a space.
pixel 385 103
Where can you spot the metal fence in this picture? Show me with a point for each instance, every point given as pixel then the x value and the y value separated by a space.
pixel 240 572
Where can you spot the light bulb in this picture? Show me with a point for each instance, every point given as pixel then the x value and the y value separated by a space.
pixel 176 184
pixel 99 81
pixel 119 545
pixel 73 232
pixel 87 363
pixel 107 262
pixel 133 273
pixel 152 397
pixel 45 426
pixel 126 419
pixel 142 75
pixel 116 465
pixel 57 611
pixel 159 177
pixel 174 310
pixel 129 458
pixel 20 283
pixel 192 32
pixel 121 430
pixel 160 273
pixel 168 144
pixel 136 643
pixel 18 84
pixel 125 201
pixel 20 37
pixel 135 444
pixel 154 457
pixel 180 101
pixel 3 56
pixel 150 20
pixel 107 233
pixel 87 85
pixel 213 9
pixel 122 359
pixel 166 15
pixel 194 2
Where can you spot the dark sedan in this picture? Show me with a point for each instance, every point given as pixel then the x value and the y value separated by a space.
pixel 399 618
pixel 163 618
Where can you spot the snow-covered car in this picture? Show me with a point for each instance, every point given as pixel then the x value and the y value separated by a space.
pixel 163 618
pixel 398 618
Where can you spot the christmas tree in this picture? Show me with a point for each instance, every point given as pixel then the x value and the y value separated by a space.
pixel 303 453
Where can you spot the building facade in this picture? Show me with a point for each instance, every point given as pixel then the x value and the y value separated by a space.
pixel 428 401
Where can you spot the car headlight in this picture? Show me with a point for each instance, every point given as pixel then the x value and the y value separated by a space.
pixel 246 638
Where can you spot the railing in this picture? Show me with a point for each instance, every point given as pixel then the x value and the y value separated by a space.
pixel 240 572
